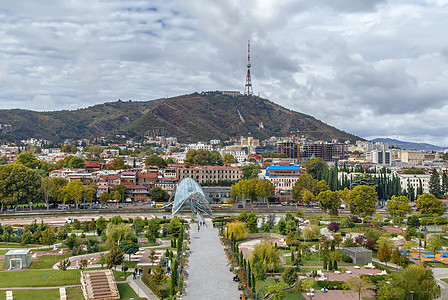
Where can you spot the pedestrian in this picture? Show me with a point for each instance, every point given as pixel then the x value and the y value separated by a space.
pixel 141 272
pixel 133 275
pixel 198 227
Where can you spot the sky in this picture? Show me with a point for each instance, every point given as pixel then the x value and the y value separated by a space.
pixel 374 68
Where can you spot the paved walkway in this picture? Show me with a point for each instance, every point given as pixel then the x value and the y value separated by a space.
pixel 209 275
pixel 140 288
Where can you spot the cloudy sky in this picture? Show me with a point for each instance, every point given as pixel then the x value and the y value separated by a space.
pixel 375 68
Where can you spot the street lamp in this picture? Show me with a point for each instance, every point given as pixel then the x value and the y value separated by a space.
pixel 412 294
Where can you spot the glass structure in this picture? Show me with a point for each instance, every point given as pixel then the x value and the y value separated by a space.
pixel 188 193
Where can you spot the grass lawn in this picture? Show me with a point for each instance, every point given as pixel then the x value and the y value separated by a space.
pixel 130 264
pixel 35 294
pixel 445 280
pixel 269 281
pixel 3 252
pixel 16 245
pixel 37 278
pixel 74 293
pixel 287 295
pixel 126 292
pixel 47 261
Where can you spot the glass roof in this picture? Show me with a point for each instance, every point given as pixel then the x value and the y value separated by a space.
pixel 189 193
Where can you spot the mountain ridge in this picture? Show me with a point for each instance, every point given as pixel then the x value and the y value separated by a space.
pixel 191 117
pixel 409 145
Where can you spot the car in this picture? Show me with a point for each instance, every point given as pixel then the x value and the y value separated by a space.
pixel 240 206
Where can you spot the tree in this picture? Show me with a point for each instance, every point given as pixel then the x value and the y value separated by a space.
pixel 152 255
pixel 260 271
pixel 48 189
pixel 159 274
pixel 268 254
pixel 429 204
pixel 434 184
pixel 114 257
pixel 333 226
pixel 63 265
pixel 251 171
pixel 94 150
pixel 129 248
pixel 399 205
pixel 358 286
pixel 413 221
pixel 74 191
pixel 306 181
pixel 83 264
pixel 155 160
pixel 18 185
pixel 329 202
pixel 48 238
pixel 434 244
pixel 28 160
pixel 238 229
pixel 289 276
pixel 229 159
pixel 203 157
pixel 444 184
pixel 117 233
pixel 118 164
pixel 362 199
pixel 384 254
pixel 414 277
pixel 317 168
pixel 307 196
pixel 104 197
pixel 75 162
pixel 159 195
pixel 69 149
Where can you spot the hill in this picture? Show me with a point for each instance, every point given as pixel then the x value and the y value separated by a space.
pixel 409 145
pixel 190 118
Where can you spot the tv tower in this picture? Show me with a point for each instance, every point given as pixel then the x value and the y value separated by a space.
pixel 248 88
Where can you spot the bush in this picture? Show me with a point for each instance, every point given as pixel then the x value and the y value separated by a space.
pixel 347 259
pixel 341 285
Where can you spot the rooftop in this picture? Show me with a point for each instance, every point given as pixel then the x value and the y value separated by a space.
pixel 18 252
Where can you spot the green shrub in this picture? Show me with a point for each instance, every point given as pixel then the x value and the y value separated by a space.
pixel 341 285
pixel 347 259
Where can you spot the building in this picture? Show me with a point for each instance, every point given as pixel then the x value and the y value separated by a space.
pixel 283 178
pixel 216 194
pixel 203 174
pixel 288 147
pixel 379 157
pixel 414 180
pixel 17 259
pixel 414 158
pixel 324 150
pixel 359 255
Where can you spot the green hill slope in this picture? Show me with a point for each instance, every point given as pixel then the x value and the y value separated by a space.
pixel 190 118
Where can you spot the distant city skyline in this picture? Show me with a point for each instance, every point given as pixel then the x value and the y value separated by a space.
pixel 372 68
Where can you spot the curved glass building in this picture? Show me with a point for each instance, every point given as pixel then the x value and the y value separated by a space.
pixel 188 193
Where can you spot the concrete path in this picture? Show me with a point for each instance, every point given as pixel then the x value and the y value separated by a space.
pixel 209 275
pixel 140 288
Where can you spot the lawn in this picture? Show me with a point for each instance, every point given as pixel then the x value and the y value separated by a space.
pixel 126 292
pixel 47 261
pixel 74 293
pixel 34 294
pixel 16 245
pixel 33 278
pixel 444 280
pixel 269 281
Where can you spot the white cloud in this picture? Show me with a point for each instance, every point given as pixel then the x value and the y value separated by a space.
pixel 373 68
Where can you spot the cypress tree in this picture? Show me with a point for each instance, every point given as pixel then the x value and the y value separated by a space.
pixel 434 184
pixel 249 277
pixel 253 282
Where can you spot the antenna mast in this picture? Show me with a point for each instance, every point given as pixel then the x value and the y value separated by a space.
pixel 248 88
